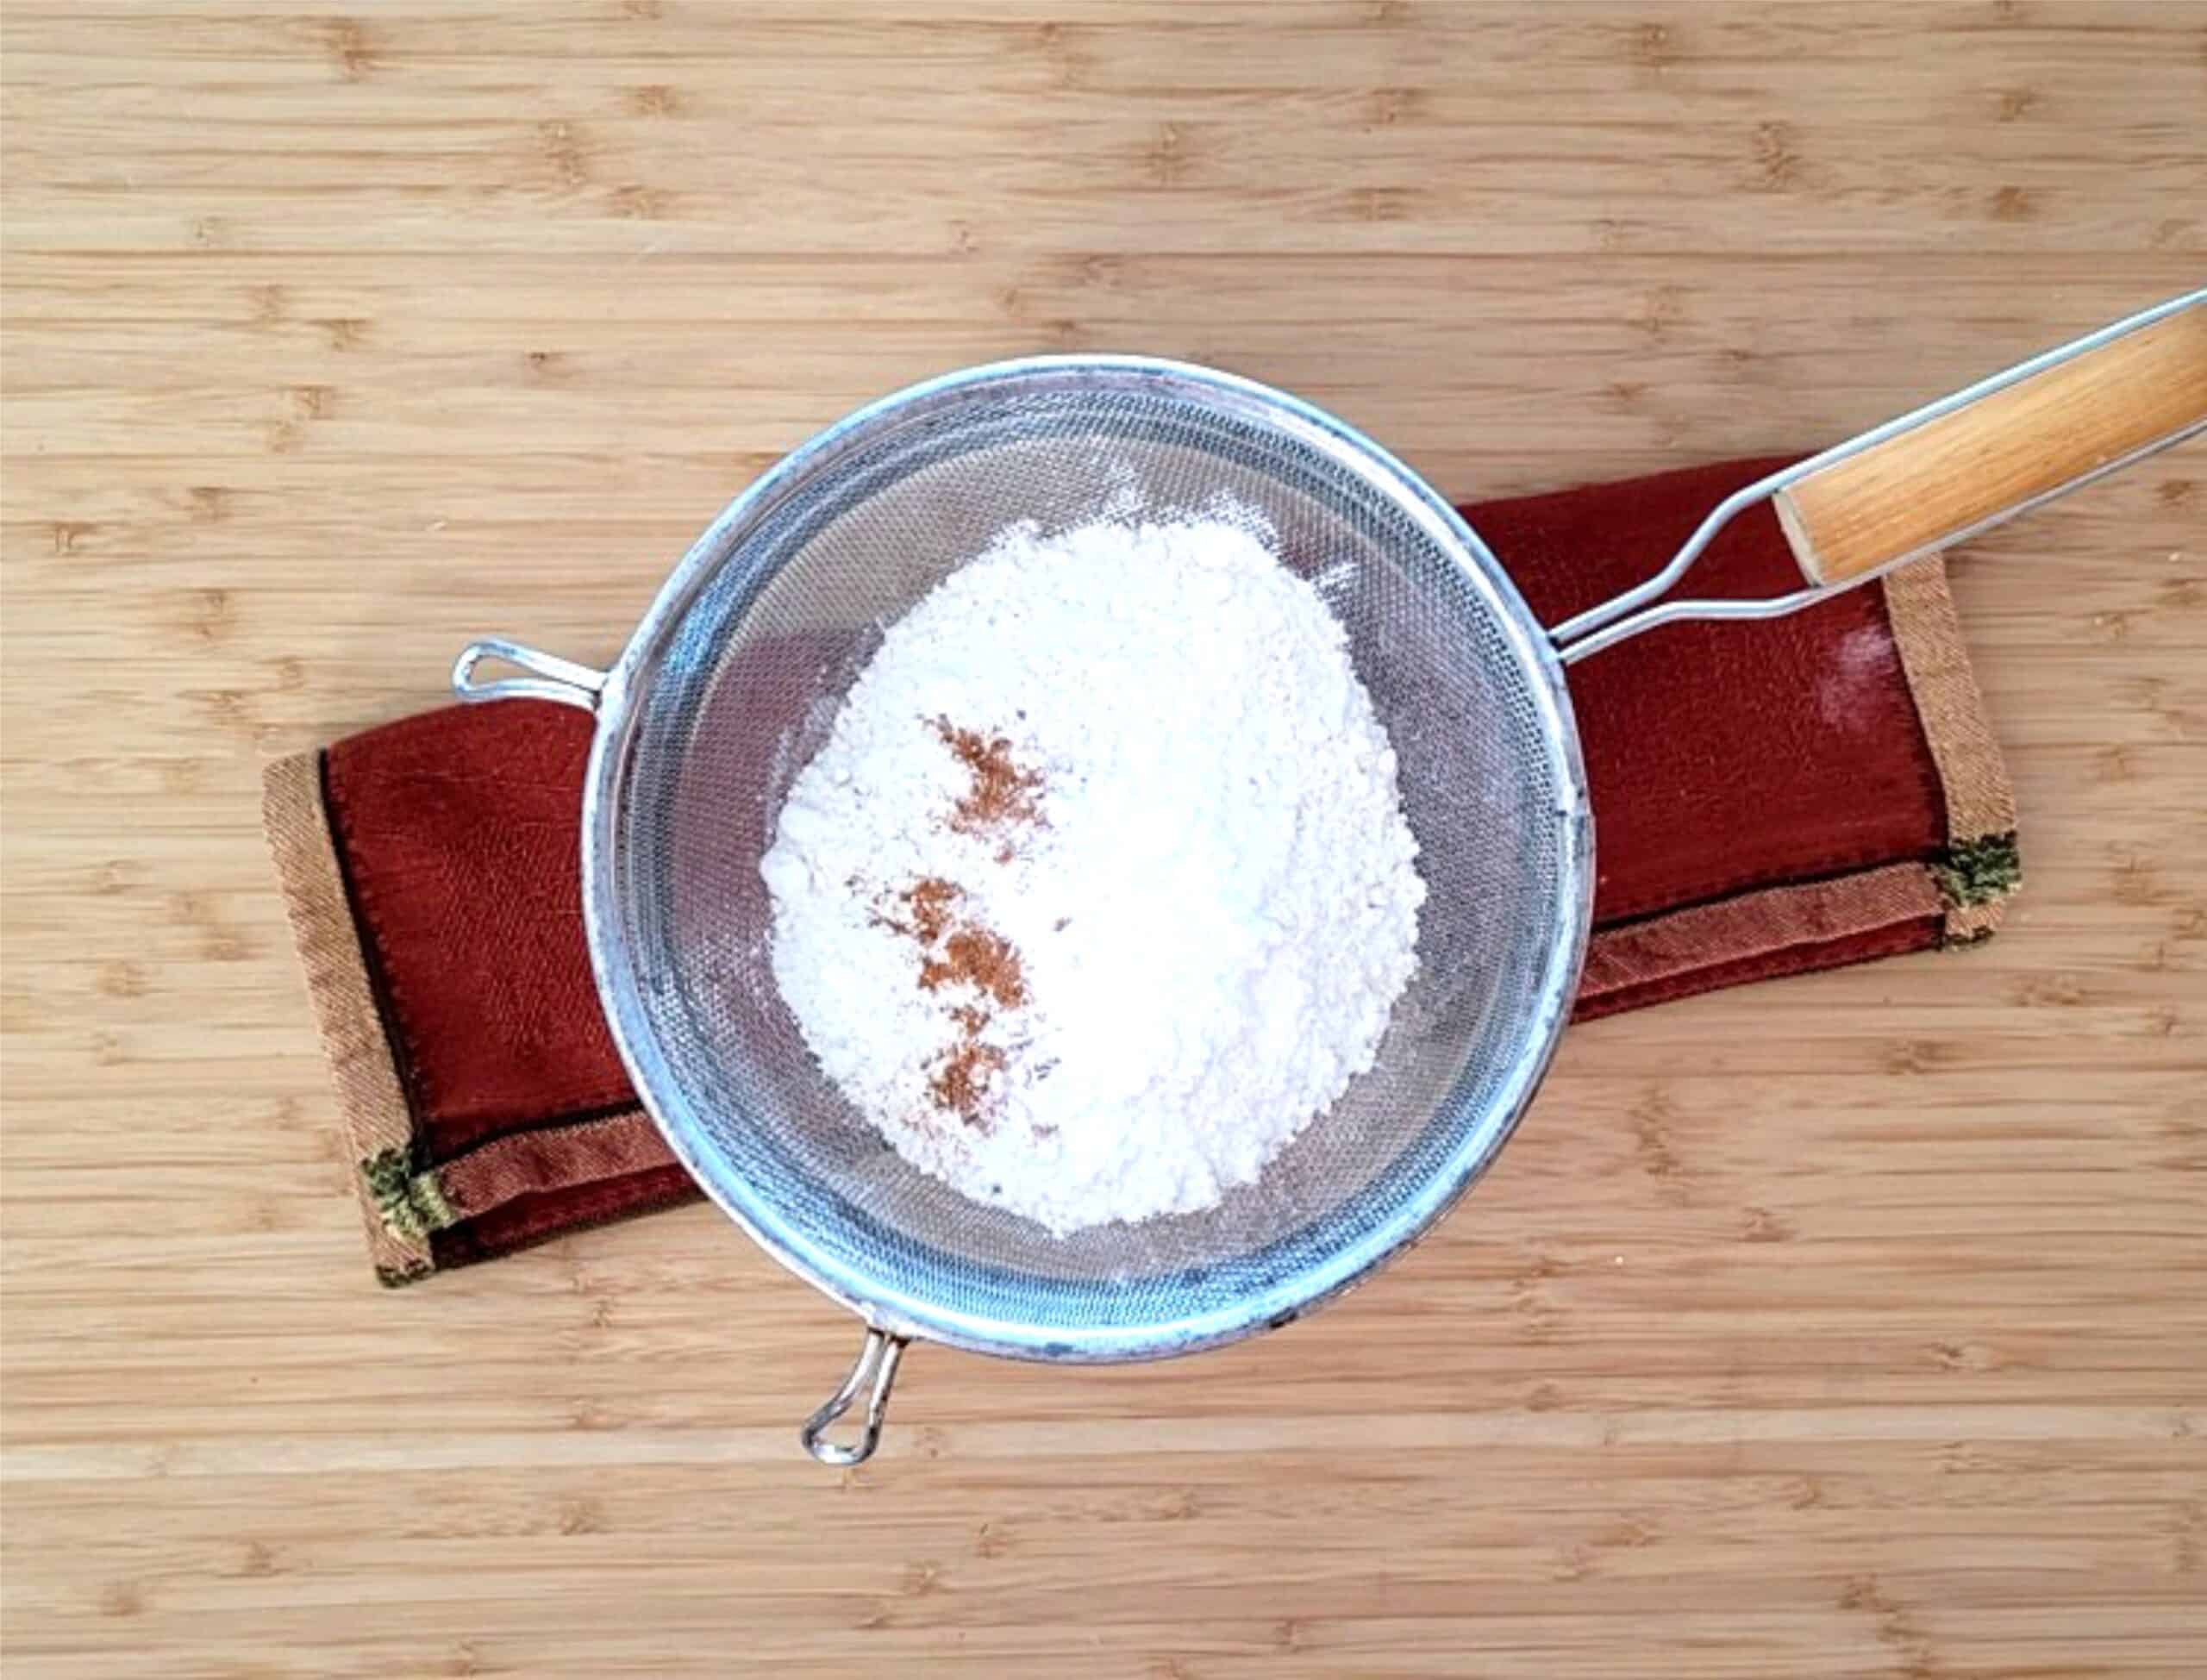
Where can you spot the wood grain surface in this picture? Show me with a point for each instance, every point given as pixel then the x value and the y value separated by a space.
pixel 1850 1325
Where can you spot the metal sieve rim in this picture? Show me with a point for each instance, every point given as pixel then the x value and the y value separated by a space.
pixel 625 695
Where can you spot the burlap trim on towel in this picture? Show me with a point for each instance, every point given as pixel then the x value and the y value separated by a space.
pixel 378 1127
pixel 1756 923
pixel 557 1159
pixel 1980 868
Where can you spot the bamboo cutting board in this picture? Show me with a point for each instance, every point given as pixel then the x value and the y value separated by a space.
pixel 1849 1324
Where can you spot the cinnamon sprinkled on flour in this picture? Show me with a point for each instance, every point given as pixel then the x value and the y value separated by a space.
pixel 975 957
pixel 1002 792
pixel 929 901
pixel 1134 893
pixel 961 1080
pixel 966 958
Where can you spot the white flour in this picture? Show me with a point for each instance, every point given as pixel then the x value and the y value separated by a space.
pixel 1100 890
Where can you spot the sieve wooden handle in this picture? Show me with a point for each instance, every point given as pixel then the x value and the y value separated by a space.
pixel 1975 465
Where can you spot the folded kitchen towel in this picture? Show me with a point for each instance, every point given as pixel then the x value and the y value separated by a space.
pixel 1769 797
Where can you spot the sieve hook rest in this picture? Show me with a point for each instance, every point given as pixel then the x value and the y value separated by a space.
pixel 550 677
pixel 875 1365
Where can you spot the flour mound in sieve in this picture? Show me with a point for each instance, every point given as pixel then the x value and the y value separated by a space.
pixel 1100 890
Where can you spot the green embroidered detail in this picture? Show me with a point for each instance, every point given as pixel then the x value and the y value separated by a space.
pixel 398 1277
pixel 1979 871
pixel 412 1203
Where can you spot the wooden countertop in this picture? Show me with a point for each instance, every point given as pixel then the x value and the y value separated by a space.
pixel 1855 1324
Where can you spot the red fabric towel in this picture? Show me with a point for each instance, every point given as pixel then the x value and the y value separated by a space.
pixel 1769 798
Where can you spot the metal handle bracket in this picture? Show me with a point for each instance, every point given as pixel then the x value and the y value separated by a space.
pixel 550 677
pixel 876 1366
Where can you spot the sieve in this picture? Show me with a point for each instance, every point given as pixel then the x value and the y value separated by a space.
pixel 732 680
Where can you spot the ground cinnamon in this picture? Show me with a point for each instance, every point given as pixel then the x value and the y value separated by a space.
pixel 961 1083
pixel 929 901
pixel 960 955
pixel 975 957
pixel 926 908
pixel 1002 793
